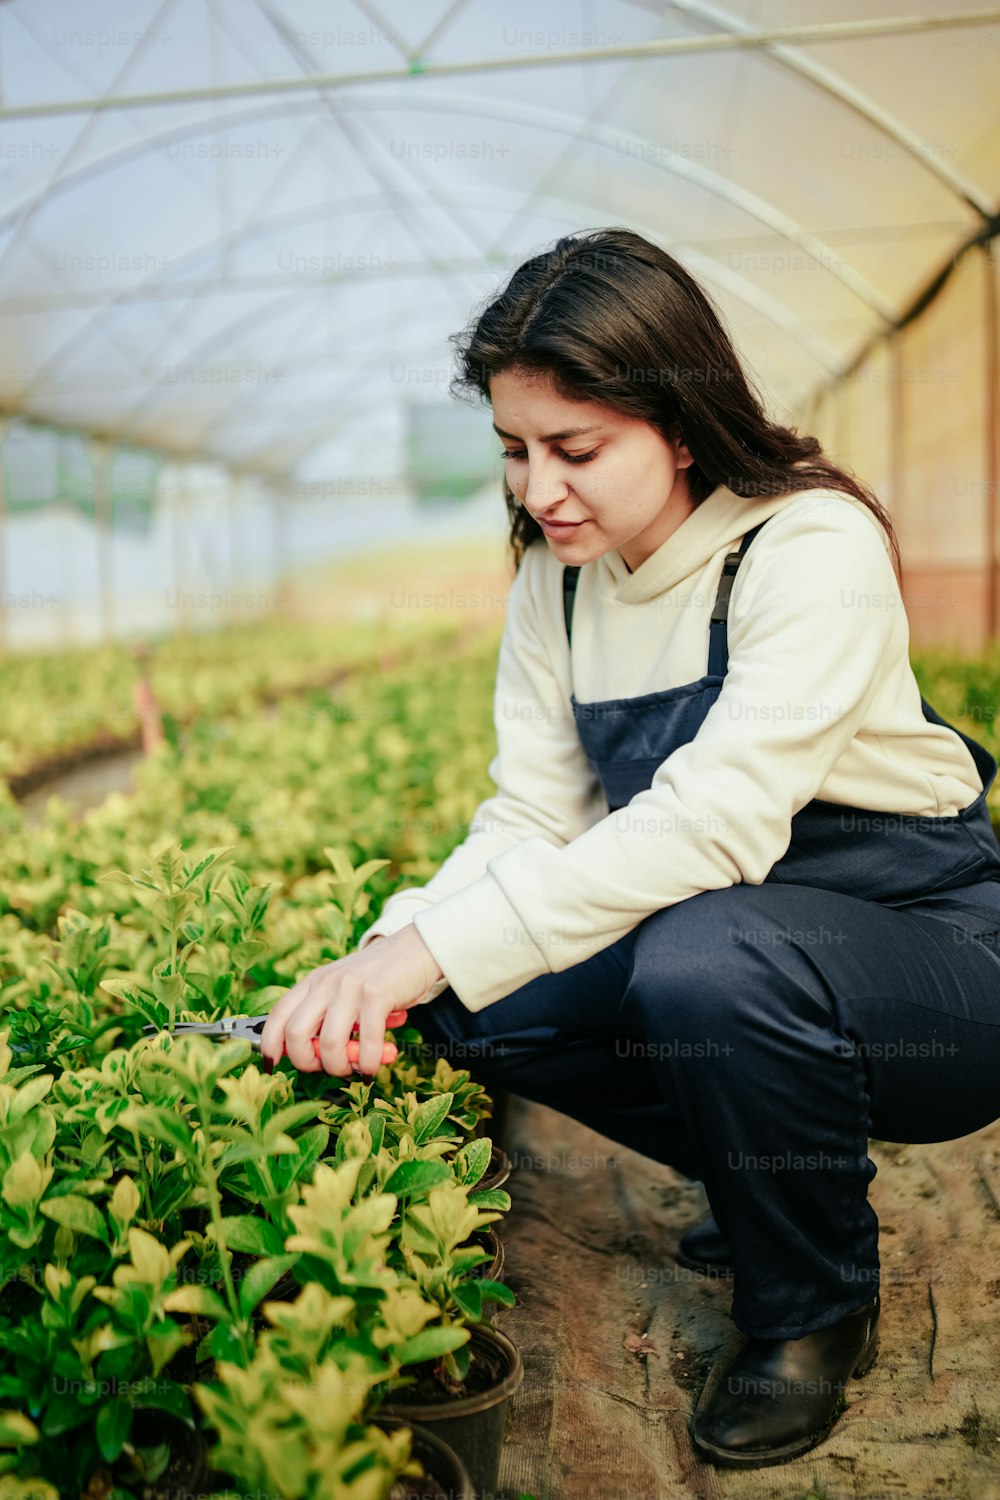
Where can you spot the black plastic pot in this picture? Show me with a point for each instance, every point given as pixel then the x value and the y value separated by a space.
pixel 496 1126
pixel 187 1475
pixel 472 1425
pixel 491 1270
pixel 447 1478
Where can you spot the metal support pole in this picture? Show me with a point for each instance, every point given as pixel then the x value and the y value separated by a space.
pixel 100 458
pixel 235 497
pixel 178 519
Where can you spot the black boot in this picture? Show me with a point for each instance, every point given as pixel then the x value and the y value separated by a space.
pixel 780 1397
pixel 704 1249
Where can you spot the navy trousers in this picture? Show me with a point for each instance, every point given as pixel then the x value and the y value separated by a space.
pixel 754 1038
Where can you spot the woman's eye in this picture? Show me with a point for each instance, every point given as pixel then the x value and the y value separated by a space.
pixel 571 458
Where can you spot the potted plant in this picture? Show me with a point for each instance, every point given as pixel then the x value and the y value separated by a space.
pixel 462 1395
pixel 469 1415
pixel 445 1476
pixel 294 1422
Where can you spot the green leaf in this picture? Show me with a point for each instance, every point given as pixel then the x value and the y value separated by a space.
pixel 417 1177
pixel 264 1000
pixel 168 988
pixel 282 1145
pixel 468 1297
pixel 261 1278
pixel 495 1291
pixel 202 1301
pixel 223 1344
pixel 108 1113
pixel 171 867
pixel 376 1126
pixel 246 953
pixel 16 1430
pixel 431 1344
pixel 161 1395
pixel 211 860
pixel 491 1198
pixel 342 867
pixel 463 1260
pixel 292 1115
pixel 166 1127
pixel 471 1162
pixel 78 1214
pixel 127 989
pixel 430 1115
pixel 251 1235
pixel 62 1413
pixel 310 1143
pixel 114 1422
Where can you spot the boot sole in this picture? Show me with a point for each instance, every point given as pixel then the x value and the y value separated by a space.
pixel 725 1458
pixel 705 1267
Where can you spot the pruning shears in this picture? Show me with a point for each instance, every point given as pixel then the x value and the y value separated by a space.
pixel 249 1028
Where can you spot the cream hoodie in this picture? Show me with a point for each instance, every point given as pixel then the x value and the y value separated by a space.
pixel 819 700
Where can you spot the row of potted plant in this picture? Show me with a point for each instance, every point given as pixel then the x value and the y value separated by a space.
pixel 396 763
pixel 115 1215
pixel 178 1227
pixel 166 1201
pixel 79 699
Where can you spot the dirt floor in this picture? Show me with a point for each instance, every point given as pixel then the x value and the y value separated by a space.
pixel 617 1339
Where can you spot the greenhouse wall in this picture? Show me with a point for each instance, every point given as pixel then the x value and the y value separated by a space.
pixel 917 420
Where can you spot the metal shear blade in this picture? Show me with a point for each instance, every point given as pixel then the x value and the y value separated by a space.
pixel 240 1028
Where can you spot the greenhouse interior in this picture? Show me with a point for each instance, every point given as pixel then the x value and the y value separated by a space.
pixel 377 783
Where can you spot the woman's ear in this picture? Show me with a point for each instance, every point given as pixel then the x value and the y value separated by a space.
pixel 683 457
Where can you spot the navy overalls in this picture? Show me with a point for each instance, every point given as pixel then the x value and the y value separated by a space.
pixel 755 1037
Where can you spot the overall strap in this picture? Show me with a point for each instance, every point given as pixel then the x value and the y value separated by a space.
pixel 718 642
pixel 570 574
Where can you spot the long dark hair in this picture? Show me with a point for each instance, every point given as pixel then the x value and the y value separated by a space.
pixel 612 318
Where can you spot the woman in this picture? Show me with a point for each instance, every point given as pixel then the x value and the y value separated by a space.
pixel 736 901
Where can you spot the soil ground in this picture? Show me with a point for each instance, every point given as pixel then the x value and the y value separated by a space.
pixel 617 1339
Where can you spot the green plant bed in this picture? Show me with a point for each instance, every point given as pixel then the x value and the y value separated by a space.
pixel 183 1235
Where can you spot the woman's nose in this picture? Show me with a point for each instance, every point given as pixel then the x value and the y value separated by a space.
pixel 543 489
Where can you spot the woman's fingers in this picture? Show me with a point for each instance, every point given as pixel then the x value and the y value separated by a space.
pixel 372 1031
pixel 389 1054
pixel 305 1023
pixel 272 1036
pixel 326 1005
pixel 342 1012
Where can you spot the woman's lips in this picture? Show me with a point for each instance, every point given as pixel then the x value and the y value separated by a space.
pixel 559 528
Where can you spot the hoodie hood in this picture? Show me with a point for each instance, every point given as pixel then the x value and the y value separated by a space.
pixel 723 518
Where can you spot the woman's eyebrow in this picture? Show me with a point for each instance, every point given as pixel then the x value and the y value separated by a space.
pixel 553 437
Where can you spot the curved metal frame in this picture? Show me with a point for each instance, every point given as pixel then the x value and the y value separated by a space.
pixel 775 44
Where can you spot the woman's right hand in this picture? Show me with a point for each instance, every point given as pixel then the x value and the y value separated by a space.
pixel 366 991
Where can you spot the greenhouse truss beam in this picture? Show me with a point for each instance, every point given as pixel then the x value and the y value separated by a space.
pixel 118 437
pixel 854 98
pixel 560 122
pixel 714 183
pixel 833 31
pixel 463 104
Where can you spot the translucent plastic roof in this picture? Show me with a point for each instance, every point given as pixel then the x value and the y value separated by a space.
pixel 245 228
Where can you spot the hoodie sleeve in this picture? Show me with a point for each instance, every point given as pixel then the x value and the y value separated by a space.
pixel 546 787
pixel 813 610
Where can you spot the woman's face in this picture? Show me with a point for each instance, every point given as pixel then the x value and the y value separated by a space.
pixel 578 461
